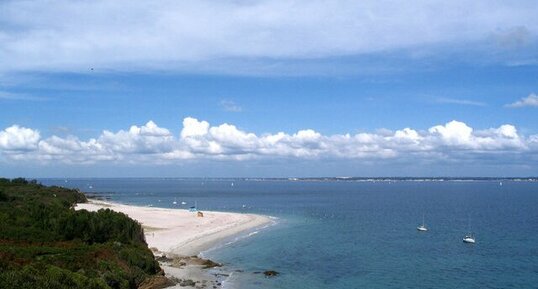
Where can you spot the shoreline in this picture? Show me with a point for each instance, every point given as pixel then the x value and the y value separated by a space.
pixel 177 237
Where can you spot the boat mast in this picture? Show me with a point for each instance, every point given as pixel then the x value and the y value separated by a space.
pixel 423 224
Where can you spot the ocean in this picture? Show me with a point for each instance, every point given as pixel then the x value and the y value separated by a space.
pixel 359 234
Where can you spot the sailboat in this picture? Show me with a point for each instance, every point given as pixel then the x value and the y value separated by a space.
pixel 469 238
pixel 174 202
pixel 422 228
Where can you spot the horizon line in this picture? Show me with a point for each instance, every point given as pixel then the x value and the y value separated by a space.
pixel 298 177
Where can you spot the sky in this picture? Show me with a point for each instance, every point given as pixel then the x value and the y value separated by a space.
pixel 268 88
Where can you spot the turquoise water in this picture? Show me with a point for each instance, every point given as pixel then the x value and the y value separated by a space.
pixel 361 234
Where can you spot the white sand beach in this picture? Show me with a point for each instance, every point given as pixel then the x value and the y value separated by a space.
pixel 181 232
pixel 178 232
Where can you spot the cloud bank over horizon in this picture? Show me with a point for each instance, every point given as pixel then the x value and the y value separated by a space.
pixel 245 37
pixel 199 141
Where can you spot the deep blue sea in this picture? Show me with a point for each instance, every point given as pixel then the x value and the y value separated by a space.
pixel 344 234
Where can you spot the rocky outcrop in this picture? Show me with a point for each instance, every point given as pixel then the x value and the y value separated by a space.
pixel 156 282
pixel 270 273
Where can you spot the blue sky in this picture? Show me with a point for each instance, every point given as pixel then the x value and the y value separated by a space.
pixel 308 88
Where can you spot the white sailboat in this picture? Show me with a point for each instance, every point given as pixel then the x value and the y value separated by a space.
pixel 174 202
pixel 422 228
pixel 469 238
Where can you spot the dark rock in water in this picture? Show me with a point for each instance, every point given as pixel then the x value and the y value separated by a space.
pixel 210 264
pixel 163 259
pixel 270 273
pixel 187 282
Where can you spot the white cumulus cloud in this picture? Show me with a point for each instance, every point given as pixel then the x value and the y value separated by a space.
pixel 16 138
pixel 453 133
pixel 198 140
pixel 193 127
pixel 146 139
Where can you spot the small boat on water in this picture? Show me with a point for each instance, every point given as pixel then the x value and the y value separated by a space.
pixel 183 203
pixel 469 238
pixel 422 228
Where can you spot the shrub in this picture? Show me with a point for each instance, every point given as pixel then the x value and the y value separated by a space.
pixel 3 196
pixel 44 243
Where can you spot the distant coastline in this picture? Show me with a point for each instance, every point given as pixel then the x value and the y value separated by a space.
pixel 416 179
pixel 318 179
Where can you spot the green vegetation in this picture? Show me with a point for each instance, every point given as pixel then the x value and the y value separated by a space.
pixel 45 243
